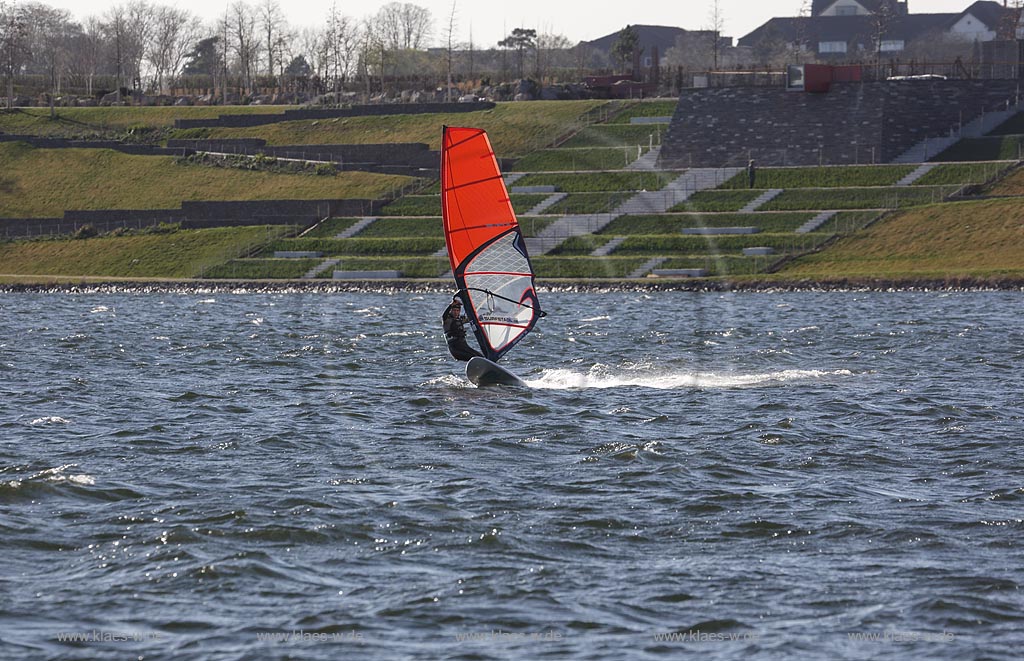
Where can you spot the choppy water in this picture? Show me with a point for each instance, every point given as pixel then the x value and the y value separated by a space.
pixel 800 475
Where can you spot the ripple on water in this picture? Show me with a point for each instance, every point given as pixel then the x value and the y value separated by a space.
pixel 796 465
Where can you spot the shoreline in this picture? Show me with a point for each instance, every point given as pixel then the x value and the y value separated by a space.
pixel 908 284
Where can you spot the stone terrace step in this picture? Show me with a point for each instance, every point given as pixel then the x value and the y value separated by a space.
pixel 609 247
pixel 816 222
pixel 921 171
pixel 356 227
pixel 647 267
pixel 320 268
pixel 761 200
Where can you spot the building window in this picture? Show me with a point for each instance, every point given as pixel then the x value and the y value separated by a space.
pixel 831 46
pixel 846 10
pixel 890 45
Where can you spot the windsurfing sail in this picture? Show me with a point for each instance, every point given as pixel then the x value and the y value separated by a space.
pixel 485 245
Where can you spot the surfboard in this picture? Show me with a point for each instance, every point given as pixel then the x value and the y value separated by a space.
pixel 483 372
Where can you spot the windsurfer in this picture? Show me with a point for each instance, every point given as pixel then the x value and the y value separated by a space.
pixel 455 332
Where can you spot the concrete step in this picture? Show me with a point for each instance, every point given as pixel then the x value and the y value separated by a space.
pixel 356 228
pixel 543 206
pixel 575 225
pixel 609 247
pixel 648 161
pixel 647 267
pixel 761 200
pixel 816 222
pixel 921 171
pixel 320 268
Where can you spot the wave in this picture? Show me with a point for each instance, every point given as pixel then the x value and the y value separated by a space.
pixel 600 376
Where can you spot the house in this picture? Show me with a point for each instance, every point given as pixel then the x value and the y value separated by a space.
pixel 854 29
pixel 653 42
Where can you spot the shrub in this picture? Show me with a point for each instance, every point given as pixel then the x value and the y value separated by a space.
pixel 718 200
pixel 548 160
pixel 585 267
pixel 262 268
pixel 822 177
pixel 85 232
pixel 590 182
pixel 588 203
pixel 358 246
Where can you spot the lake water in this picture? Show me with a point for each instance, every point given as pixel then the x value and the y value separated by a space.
pixel 309 475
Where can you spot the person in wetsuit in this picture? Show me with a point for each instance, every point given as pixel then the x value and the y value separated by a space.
pixel 455 332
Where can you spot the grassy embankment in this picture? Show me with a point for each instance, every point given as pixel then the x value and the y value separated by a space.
pixel 926 244
pixel 182 254
pixel 975 240
pixel 515 128
pixel 45 182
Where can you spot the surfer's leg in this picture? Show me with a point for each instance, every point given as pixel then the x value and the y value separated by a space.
pixel 462 351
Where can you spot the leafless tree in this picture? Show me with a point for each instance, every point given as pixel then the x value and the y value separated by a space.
pixel 403 26
pixel 716 19
pixel 449 53
pixel 115 27
pixel 274 29
pixel 546 54
pixel 371 54
pixel 139 30
pixel 13 42
pixel 313 45
pixel 88 59
pixel 50 35
pixel 246 45
pixel 342 41
pixel 224 49
pixel 175 31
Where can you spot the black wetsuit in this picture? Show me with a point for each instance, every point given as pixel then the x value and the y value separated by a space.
pixel 455 335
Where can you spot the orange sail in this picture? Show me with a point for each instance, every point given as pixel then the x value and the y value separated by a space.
pixel 485 246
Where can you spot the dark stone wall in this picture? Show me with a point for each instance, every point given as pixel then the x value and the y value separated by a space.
pixel 851 123
pixel 63 143
pixel 409 158
pixel 331 113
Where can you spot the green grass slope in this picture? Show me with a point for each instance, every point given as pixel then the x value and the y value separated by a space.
pixel 515 129
pixel 182 254
pixel 965 239
pixel 46 182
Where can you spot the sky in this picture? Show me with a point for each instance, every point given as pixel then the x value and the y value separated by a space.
pixel 489 21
